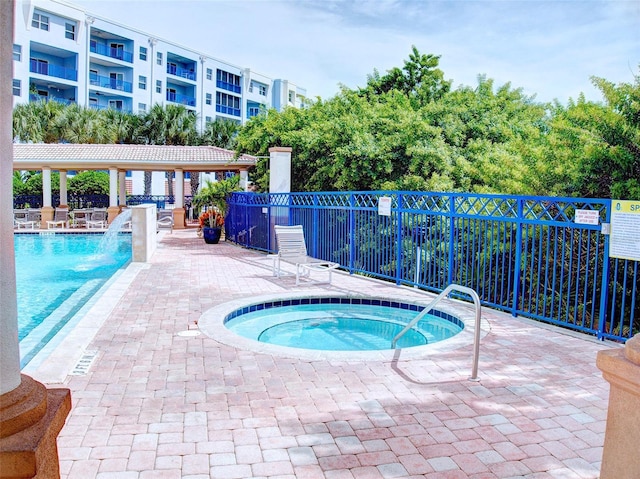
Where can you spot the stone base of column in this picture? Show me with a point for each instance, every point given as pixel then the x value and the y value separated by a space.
pixel 621 367
pixel 112 213
pixel 46 214
pixel 31 417
pixel 179 219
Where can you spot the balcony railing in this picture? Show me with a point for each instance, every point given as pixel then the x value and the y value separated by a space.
pixel 228 86
pixel 53 70
pixel 111 83
pixel 228 110
pixel 182 99
pixel 64 101
pixel 117 53
pixel 181 72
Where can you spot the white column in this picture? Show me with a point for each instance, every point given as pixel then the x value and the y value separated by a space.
pixel 122 188
pixel 63 188
pixel 244 177
pixel 46 187
pixel 113 187
pixel 9 346
pixel 280 169
pixel 179 198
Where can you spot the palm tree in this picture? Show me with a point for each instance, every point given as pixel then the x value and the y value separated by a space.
pixel 76 124
pixel 36 121
pixel 221 133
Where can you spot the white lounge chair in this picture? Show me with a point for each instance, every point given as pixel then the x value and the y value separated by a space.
pixel 165 220
pixel 60 219
pixel 292 249
pixel 98 219
pixel 30 220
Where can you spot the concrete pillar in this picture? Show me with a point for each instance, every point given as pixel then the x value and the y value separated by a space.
pixel 621 367
pixel 114 209
pixel 178 206
pixel 31 415
pixel 122 188
pixel 143 232
pixel 280 169
pixel 46 212
pixel 63 189
pixel 244 180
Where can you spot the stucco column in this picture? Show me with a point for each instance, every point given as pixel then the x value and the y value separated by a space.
pixel 279 182
pixel 63 189
pixel 621 367
pixel 31 415
pixel 122 188
pixel 46 213
pixel 244 179
pixel 113 209
pixel 178 206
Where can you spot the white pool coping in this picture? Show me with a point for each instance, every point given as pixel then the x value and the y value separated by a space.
pixel 211 323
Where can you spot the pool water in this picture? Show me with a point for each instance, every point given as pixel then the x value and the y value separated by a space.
pixel 340 327
pixel 56 275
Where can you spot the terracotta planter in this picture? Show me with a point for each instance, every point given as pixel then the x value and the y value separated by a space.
pixel 211 235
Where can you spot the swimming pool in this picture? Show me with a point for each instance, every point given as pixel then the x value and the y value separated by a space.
pixel 459 327
pixel 56 275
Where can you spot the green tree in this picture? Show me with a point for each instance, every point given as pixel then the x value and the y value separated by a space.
pixel 90 183
pixel 33 184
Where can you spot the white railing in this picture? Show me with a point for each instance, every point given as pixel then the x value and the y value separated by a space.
pixel 430 306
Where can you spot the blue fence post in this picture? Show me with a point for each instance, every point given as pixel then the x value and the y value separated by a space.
pixel 352 232
pixel 315 227
pixel 604 285
pixel 399 210
pixel 518 269
pixel 452 241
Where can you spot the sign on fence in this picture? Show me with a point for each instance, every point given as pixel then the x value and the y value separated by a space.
pixel 625 230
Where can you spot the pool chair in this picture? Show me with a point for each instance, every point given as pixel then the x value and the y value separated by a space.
pixel 29 219
pixel 292 249
pixel 60 219
pixel 165 220
pixel 98 219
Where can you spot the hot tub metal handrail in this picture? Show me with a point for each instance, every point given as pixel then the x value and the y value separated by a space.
pixel 430 306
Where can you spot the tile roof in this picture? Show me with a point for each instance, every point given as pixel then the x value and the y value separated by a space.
pixel 140 157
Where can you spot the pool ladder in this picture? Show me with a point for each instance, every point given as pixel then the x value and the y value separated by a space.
pixel 431 305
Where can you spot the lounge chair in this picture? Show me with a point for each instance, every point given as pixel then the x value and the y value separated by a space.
pixel 292 249
pixel 60 219
pixel 30 219
pixel 165 220
pixel 98 219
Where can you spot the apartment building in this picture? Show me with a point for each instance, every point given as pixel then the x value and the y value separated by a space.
pixel 64 53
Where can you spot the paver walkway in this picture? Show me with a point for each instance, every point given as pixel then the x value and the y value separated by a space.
pixel 156 403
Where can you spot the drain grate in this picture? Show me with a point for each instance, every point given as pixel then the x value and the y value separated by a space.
pixel 84 363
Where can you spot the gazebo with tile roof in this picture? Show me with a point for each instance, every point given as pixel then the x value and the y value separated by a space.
pixel 118 159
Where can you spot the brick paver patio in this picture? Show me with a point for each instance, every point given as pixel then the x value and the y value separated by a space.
pixel 160 403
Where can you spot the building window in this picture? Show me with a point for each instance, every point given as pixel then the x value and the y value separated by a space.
pixel 142 108
pixel 17 88
pixel 292 96
pixel 228 104
pixel 207 119
pixel 70 31
pixel 17 53
pixel 143 54
pixel 40 21
pixel 159 58
pixel 228 81
pixel 253 111
pixel 209 74
pixel 208 99
pixel 262 90
pixel 158 86
pixel 142 82
pixel 115 104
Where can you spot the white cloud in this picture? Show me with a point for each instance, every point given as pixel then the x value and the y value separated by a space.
pixel 548 48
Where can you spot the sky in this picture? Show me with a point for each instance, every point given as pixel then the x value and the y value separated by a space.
pixel 549 49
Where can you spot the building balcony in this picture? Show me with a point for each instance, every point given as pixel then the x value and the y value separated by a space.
pixel 111 83
pixel 228 86
pixel 181 72
pixel 228 110
pixel 57 71
pixel 33 98
pixel 117 53
pixel 182 99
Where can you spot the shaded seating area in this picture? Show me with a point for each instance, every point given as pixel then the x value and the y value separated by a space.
pixel 28 218
pixel 292 249
pixel 97 219
pixel 60 219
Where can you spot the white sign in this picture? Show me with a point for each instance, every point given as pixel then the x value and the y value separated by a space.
pixel 624 242
pixel 587 217
pixel 384 206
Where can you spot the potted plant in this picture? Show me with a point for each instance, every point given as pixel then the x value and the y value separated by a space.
pixel 213 196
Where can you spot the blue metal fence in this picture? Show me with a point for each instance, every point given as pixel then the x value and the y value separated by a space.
pixel 524 255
